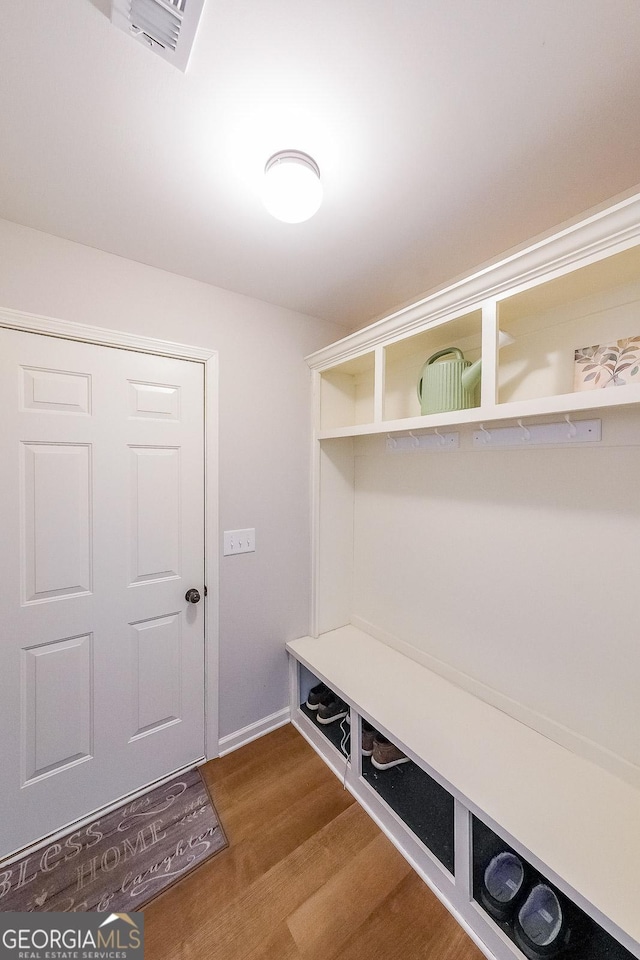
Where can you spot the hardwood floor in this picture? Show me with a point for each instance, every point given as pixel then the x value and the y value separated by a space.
pixel 307 874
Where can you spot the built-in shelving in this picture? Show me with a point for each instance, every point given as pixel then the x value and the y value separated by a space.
pixel 508 573
pixel 375 391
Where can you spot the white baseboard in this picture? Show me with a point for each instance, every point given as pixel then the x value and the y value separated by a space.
pixel 233 741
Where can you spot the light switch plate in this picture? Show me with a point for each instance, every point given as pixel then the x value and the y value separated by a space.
pixel 239 541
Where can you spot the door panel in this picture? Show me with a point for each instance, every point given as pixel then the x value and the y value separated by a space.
pixel 155 514
pixel 154 401
pixel 53 739
pixel 157 674
pixel 54 390
pixel 102 504
pixel 56 511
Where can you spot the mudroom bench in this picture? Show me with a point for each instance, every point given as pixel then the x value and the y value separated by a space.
pixel 486 778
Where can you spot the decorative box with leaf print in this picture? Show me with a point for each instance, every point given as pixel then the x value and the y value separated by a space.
pixel 608 365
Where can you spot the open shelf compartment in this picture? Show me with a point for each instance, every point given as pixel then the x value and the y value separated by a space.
pixel 405 359
pixel 347 393
pixel 556 326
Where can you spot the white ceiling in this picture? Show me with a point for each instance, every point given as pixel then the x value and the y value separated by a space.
pixel 446 131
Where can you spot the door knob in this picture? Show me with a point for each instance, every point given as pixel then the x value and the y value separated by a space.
pixel 192 596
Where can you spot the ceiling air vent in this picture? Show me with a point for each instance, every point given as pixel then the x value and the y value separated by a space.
pixel 168 27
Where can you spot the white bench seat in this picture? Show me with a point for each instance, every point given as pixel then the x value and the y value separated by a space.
pixel 579 820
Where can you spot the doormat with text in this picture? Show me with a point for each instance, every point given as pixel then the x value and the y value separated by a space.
pixel 122 859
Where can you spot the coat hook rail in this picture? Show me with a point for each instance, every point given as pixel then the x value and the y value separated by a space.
pixel 424 441
pixel 580 431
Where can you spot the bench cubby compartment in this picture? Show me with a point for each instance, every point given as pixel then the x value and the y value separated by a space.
pixel 423 805
pixel 595 943
pixel 334 732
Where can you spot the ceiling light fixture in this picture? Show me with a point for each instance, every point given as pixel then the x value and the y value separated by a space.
pixel 292 188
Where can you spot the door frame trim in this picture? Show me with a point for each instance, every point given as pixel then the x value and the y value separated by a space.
pixel 119 339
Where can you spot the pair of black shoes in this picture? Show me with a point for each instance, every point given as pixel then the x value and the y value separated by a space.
pixel 543 922
pixel 327 705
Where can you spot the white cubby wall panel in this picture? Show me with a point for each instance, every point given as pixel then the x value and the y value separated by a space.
pixel 517 584
pixel 333 572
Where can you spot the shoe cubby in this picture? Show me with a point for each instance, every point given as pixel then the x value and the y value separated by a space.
pixel 405 359
pixel 424 806
pixel 588 941
pixel 336 731
pixel 346 393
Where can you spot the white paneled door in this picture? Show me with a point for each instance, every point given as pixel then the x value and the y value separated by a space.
pixel 102 504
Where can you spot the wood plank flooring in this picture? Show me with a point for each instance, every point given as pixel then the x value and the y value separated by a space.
pixel 307 875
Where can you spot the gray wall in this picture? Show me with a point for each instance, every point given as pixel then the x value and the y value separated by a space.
pixel 264 432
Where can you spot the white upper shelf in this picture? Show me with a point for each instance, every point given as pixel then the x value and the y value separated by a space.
pixel 538 406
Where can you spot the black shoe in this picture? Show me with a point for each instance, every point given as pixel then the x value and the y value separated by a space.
pixel 504 884
pixel 334 710
pixel 319 694
pixel 546 925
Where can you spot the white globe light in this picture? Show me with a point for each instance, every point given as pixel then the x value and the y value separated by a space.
pixel 292 189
